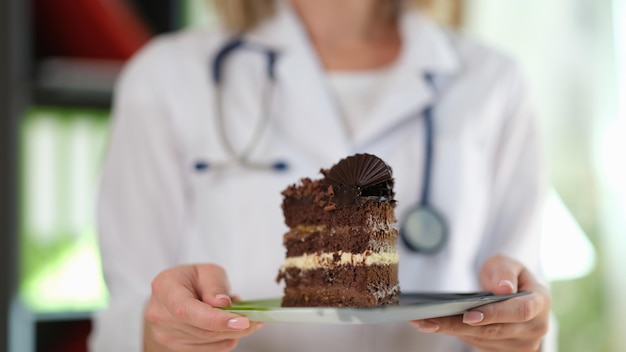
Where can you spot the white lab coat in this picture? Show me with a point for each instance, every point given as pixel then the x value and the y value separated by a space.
pixel 157 211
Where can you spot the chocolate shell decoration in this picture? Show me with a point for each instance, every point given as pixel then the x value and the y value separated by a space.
pixel 359 176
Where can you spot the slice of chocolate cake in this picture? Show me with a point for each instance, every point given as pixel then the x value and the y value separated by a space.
pixel 341 246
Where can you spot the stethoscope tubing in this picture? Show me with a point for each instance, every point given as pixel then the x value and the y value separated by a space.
pixel 428 154
pixel 217 69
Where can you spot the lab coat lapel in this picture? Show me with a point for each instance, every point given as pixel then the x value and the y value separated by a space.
pixel 305 110
pixel 407 92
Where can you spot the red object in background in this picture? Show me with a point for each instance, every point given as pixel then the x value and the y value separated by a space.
pixel 63 336
pixel 98 29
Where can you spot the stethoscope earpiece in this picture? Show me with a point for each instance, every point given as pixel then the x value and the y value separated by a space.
pixel 280 166
pixel 201 166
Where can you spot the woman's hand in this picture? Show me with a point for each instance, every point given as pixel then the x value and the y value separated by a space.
pixel 180 315
pixel 517 324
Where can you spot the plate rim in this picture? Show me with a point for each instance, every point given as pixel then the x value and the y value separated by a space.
pixel 370 315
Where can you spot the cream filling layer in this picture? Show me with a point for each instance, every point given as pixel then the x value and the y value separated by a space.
pixel 372 225
pixel 326 260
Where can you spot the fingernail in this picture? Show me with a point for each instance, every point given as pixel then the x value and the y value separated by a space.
pixel 507 283
pixel 224 298
pixel 428 326
pixel 473 317
pixel 239 323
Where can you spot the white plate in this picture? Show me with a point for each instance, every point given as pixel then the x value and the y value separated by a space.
pixel 412 306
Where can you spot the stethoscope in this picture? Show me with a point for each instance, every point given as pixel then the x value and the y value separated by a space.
pixel 424 229
pixel 243 158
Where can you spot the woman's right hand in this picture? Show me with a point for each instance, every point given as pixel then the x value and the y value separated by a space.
pixel 180 315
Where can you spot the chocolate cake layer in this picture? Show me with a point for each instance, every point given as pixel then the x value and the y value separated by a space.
pixel 335 297
pixel 361 286
pixel 346 239
pixel 369 214
pixel 358 277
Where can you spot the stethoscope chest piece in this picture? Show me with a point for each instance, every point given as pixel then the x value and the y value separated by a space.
pixel 424 230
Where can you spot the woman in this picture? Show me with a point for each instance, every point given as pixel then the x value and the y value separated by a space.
pixel 184 228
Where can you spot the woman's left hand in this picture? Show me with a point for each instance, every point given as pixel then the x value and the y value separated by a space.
pixel 517 324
